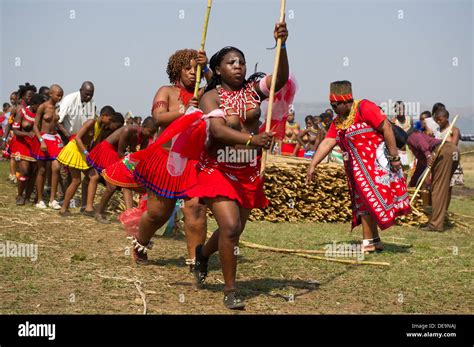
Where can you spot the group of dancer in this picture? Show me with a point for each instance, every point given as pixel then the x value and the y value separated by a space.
pixel 228 116
pixel 33 143
pixel 226 113
pixel 181 162
pixel 304 142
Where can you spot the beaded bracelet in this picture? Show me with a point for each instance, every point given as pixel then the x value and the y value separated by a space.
pixel 249 141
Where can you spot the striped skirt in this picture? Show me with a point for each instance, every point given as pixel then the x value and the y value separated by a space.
pixel 72 157
pixel 154 175
pixel 102 155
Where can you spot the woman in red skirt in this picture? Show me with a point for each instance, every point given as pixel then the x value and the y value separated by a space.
pixel 103 153
pixel 7 137
pixel 48 146
pixel 24 140
pixel 74 157
pixel 170 103
pixel 106 153
pixel 116 173
pixel 229 170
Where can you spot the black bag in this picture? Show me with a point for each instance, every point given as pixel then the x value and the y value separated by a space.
pixel 400 135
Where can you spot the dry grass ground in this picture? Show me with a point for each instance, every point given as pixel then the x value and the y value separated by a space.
pixel 84 268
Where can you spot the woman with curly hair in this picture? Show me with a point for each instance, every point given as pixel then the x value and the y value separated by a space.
pixel 170 103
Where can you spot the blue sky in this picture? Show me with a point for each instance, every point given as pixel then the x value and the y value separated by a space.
pixel 416 51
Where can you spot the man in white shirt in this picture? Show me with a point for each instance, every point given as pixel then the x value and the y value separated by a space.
pixel 76 108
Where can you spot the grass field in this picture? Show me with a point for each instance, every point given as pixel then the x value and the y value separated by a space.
pixel 84 267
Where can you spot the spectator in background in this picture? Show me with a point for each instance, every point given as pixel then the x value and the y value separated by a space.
pixel 401 118
pixel 129 121
pixel 430 123
pixel 8 134
pixel 292 130
pixel 442 118
pixel 77 108
pixel 424 148
pixel 44 91
pixel 3 121
pixel 313 135
pixel 423 125
pixel 319 121
pixel 405 122
pixel 330 113
pixel 326 120
pixel 421 165
pixel 437 107
pixel 5 107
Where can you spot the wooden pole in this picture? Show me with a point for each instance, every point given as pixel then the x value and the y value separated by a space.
pixel 203 42
pixel 428 170
pixel 306 253
pixel 281 250
pixel 345 261
pixel 272 87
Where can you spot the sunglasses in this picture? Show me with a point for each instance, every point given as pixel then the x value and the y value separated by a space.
pixel 335 104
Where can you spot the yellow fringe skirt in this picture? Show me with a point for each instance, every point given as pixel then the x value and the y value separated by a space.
pixel 72 157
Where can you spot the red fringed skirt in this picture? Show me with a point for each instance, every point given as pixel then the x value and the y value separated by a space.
pixel 121 175
pixel 239 182
pixel 154 175
pixel 54 145
pixel 102 155
pixel 20 148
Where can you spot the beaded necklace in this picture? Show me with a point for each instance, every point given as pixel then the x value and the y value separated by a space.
pixel 27 114
pixel 313 131
pixel 293 125
pixel 238 102
pixel 344 123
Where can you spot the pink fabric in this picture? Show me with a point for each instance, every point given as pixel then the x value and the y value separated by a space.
pixel 188 143
pixel 264 87
pixel 130 219
pixel 188 133
pixel 176 127
pixel 281 103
